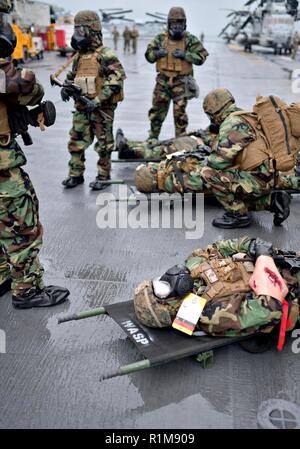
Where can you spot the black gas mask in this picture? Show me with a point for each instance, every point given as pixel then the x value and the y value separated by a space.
pixel 81 40
pixel 8 39
pixel 177 282
pixel 177 29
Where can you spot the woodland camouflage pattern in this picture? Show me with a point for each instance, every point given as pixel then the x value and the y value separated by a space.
pixel 153 149
pixel 231 187
pixel 20 230
pixel 165 91
pixel 168 169
pixel 238 315
pixel 87 127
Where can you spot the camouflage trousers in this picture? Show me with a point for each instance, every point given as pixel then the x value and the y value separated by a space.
pixel 288 182
pixel 21 233
pixel 171 176
pixel 127 46
pixel 164 93
pixel 85 129
pixel 153 149
pixel 238 191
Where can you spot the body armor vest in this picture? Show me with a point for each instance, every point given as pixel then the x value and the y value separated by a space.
pixel 90 78
pixel 170 66
pixel 224 277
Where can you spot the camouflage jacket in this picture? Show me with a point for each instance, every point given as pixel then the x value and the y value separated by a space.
pixel 112 70
pixel 234 135
pixel 245 313
pixel 195 52
pixel 20 88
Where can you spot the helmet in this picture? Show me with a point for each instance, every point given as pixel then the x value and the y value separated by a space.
pixel 8 39
pixel 177 13
pixel 216 100
pixel 88 18
pixel 145 180
pixel 150 311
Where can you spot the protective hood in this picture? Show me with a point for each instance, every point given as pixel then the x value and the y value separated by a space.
pixel 8 39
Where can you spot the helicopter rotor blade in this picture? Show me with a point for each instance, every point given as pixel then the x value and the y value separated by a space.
pixel 224 29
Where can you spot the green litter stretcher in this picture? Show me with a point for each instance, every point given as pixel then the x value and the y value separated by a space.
pixel 162 346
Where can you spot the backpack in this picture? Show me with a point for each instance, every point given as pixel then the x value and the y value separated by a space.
pixel 277 127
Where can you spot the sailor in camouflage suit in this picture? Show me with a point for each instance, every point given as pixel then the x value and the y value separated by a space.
pixel 21 233
pixel 238 191
pixel 221 274
pixel 175 52
pixel 155 149
pixel 99 73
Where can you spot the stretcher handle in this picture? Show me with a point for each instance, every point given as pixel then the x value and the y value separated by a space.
pixel 128 369
pixel 82 315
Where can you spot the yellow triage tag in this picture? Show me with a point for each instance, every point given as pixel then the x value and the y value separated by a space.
pixel 189 314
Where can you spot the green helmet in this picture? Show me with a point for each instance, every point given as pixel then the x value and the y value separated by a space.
pixel 145 181
pixel 88 18
pixel 217 100
pixel 177 13
pixel 5 6
pixel 150 311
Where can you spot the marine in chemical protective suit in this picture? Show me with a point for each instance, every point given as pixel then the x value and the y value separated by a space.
pixel 21 233
pixel 247 285
pixel 240 171
pixel 100 75
pixel 175 52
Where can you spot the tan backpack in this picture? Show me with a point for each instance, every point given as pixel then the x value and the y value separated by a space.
pixel 277 127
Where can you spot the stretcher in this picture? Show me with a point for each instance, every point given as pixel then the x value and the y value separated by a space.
pixel 162 346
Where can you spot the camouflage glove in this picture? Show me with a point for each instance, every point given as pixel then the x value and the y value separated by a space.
pixel 161 53
pixel 179 54
pixel 259 247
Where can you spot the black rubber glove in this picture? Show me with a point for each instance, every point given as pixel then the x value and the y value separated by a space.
pixel 65 94
pixel 179 54
pixel 90 106
pixel 259 247
pixel 161 53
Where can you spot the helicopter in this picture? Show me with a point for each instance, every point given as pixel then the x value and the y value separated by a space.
pixel 160 18
pixel 152 27
pixel 111 14
pixel 270 24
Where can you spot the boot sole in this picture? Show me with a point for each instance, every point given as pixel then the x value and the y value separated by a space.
pixel 240 226
pixel 31 306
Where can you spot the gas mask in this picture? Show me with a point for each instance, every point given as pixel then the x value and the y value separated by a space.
pixel 81 40
pixel 177 282
pixel 177 29
pixel 8 39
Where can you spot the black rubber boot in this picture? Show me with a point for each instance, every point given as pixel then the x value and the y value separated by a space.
pixel 280 206
pixel 72 182
pixel 122 147
pixel 258 344
pixel 5 287
pixel 98 185
pixel 48 297
pixel 232 220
